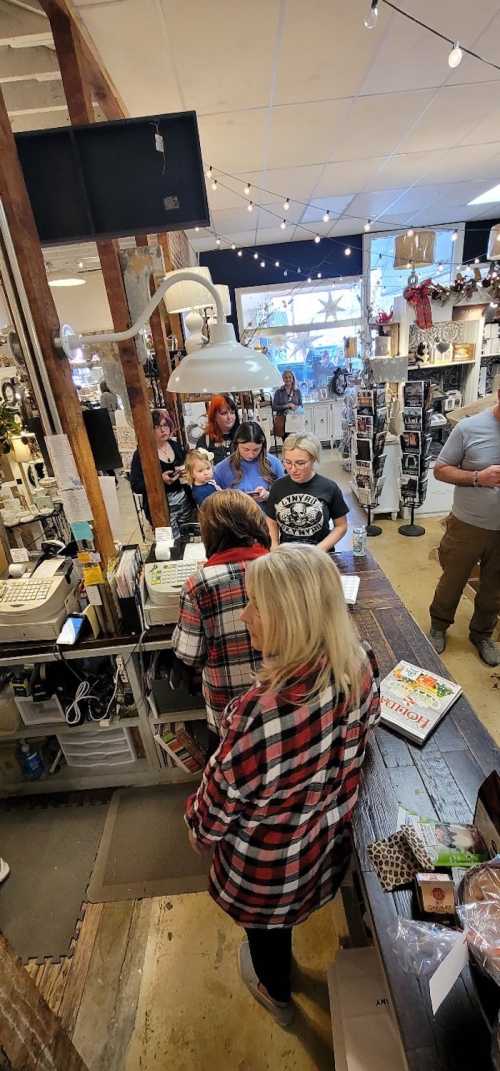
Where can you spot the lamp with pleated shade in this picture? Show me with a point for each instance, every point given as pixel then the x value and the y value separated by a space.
pixel 494 243
pixel 415 249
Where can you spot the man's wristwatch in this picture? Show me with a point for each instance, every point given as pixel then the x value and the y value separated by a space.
pixel 475 482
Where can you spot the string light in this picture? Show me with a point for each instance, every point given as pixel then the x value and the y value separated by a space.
pixel 209 172
pixel 256 256
pixel 454 236
pixel 283 224
pixel 240 252
pixel 214 184
pixel 455 57
pixel 326 217
pixel 371 19
pixel 276 263
pixel 476 260
pixel 286 204
pixel 440 266
pixel 285 273
pixel 318 275
pixel 262 263
pixel 250 206
pixel 347 251
pixel 367 225
pixel 247 189
pixel 196 228
pixel 217 241
pixel 410 232
pixel 309 279
pixel 299 271
pixel 317 239
pixel 233 246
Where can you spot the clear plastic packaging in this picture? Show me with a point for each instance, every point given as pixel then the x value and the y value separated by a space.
pixel 420 946
pixel 481 921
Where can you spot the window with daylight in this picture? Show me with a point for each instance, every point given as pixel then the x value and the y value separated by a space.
pixel 385 282
pixel 309 328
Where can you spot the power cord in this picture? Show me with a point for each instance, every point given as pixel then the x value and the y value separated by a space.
pixel 74 714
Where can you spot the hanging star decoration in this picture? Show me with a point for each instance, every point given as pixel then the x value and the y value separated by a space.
pixel 302 346
pixel 328 309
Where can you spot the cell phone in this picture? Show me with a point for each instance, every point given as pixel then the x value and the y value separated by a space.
pixel 71 630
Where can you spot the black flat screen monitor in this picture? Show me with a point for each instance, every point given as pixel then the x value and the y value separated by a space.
pixel 111 180
pixel 102 439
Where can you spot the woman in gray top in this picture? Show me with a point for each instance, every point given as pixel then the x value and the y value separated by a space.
pixel 109 400
pixel 288 397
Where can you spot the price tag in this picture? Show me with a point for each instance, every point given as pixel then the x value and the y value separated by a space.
pixel 19 554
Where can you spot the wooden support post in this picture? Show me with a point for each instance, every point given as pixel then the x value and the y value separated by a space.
pixel 160 328
pixel 136 385
pixel 29 254
pixel 78 73
pixel 31 1036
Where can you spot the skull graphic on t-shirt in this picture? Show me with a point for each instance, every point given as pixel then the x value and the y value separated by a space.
pixel 300 515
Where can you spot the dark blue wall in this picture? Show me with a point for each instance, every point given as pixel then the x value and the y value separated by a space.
pixel 327 257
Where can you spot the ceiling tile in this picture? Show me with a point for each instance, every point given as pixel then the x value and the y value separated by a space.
pixel 454 117
pixel 374 126
pixel 233 142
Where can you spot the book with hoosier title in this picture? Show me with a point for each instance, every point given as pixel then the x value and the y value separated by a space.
pixel 413 700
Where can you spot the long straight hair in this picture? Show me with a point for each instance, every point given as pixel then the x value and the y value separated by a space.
pixel 250 432
pixel 305 622
pixel 218 402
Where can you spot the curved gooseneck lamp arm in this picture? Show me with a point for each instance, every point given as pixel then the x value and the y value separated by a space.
pixel 68 340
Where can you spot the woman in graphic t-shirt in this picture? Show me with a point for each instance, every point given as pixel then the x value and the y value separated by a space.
pixel 302 504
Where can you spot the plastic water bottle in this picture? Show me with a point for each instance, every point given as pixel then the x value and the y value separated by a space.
pixel 359 542
pixel 30 761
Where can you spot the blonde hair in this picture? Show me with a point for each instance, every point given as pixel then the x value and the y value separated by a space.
pixel 309 443
pixel 195 455
pixel 305 621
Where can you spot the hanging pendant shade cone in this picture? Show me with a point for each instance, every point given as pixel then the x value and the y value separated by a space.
pixel 416 249
pixel 223 366
pixel 494 243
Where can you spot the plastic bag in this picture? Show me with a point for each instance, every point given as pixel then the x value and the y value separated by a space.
pixel 420 946
pixel 481 921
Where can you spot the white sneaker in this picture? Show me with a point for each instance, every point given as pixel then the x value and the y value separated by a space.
pixel 4 870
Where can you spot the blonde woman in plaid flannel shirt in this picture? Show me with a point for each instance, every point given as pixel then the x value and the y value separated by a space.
pixel 210 635
pixel 276 800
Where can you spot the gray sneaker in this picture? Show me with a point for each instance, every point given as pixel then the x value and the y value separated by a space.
pixel 488 650
pixel 438 639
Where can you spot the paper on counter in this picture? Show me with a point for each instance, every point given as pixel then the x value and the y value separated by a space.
pixel 449 969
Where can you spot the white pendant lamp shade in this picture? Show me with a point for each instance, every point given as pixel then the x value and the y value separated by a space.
pixel 187 294
pixel 223 365
pixel 494 243
pixel 415 248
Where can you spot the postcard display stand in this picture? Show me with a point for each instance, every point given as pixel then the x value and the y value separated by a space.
pixel 415 450
pixel 368 452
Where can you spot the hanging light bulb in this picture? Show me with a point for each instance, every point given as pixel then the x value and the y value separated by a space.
pixel 299 271
pixel 247 189
pixel 276 263
pixel 283 224
pixel 476 261
pixel 256 256
pixel 240 253
pixel 410 232
pixel 233 246
pixel 367 225
pixel 214 184
pixel 309 279
pixel 455 57
pixel 209 172
pixel 317 239
pixel 318 275
pixel 371 19
pixel 347 251
pixel 285 273
pixel 250 206
pixel 440 266
pixel 286 204
pixel 454 236
pixel 262 263
pixel 326 217
pixel 196 228
pixel 217 241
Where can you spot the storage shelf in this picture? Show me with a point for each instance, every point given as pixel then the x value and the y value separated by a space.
pixel 55 727
pixel 437 364
pixel 75 779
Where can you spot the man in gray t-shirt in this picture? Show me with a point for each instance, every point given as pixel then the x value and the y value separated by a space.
pixel 470 459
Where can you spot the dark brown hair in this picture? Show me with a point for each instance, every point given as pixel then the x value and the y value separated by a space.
pixel 250 432
pixel 231 519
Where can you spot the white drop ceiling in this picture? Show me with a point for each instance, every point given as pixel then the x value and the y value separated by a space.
pixel 295 96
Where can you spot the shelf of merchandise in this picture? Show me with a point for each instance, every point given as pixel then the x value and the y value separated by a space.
pixel 70 779
pixel 472 332
pixel 143 771
pixel 26 732
pixel 438 364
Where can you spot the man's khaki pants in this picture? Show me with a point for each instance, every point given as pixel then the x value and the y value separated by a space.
pixel 462 546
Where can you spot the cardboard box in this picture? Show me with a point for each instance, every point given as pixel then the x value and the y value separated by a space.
pixel 365 1035
pixel 487 813
pixel 436 894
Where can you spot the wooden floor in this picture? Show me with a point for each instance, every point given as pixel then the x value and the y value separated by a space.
pixel 153 984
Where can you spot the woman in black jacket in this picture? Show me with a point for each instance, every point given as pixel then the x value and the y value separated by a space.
pixel 171 456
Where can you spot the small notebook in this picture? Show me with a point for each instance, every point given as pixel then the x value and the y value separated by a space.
pixel 350 585
pixel 194 552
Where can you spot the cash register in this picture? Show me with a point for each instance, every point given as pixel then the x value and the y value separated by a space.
pixel 35 605
pixel 163 582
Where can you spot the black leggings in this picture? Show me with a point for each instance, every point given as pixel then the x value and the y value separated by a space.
pixel 271 951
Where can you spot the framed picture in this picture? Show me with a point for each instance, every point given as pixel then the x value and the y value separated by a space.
pixel 464 351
